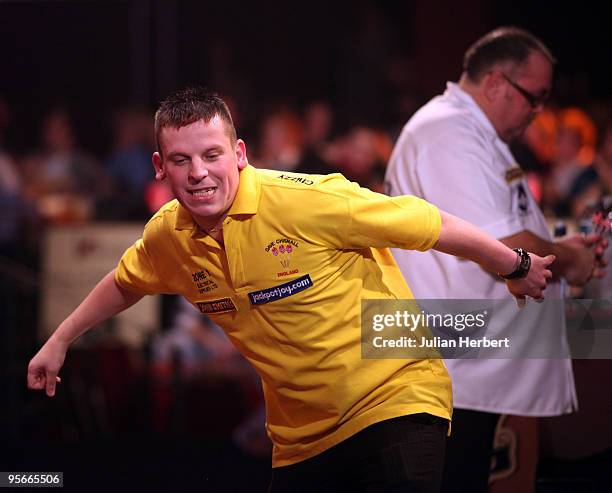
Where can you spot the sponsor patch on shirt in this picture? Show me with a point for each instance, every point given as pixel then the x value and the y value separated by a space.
pixel 512 174
pixel 280 291
pixel 222 305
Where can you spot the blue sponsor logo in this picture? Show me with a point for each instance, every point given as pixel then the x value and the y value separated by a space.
pixel 281 291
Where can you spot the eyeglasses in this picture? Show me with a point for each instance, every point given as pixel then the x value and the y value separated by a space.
pixel 533 100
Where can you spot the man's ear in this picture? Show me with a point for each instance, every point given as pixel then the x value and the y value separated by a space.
pixel 241 156
pixel 492 86
pixel 158 165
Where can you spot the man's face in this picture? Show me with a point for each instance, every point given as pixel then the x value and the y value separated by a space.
pixel 523 95
pixel 202 166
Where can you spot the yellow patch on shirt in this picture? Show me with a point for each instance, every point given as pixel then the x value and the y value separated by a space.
pixel 513 174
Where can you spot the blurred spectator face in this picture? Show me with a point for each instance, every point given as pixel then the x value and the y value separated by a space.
pixel 280 130
pixel 568 145
pixel 606 146
pixel 599 184
pixel 604 161
pixel 281 140
pixel 132 127
pixel 57 133
pixel 590 195
pixel 361 152
pixel 531 81
pixel 317 123
pixel 541 135
pixel 577 136
pixel 276 136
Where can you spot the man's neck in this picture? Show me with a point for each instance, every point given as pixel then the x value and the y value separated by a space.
pixel 475 91
pixel 212 225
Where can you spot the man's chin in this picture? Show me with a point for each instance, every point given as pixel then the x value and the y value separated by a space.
pixel 200 210
pixel 514 134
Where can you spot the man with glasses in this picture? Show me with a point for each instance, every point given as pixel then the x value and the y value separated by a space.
pixel 454 153
pixel 533 100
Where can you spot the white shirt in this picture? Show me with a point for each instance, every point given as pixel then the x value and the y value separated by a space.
pixel 450 154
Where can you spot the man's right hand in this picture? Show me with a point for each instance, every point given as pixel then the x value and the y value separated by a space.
pixel 586 252
pixel 45 366
pixel 104 301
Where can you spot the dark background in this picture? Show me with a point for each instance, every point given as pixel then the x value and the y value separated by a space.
pixel 95 55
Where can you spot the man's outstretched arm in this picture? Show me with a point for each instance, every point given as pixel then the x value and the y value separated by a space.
pixel 104 301
pixel 462 239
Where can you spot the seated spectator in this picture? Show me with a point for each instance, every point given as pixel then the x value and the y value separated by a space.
pixel 318 121
pixel 129 165
pixel 280 142
pixel 591 189
pixel 62 180
pixel 10 203
pixel 361 155
pixel 16 218
pixel 573 151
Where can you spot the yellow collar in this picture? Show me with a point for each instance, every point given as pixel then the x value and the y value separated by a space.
pixel 247 197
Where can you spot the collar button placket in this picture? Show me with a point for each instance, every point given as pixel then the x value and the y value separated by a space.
pixel 233 255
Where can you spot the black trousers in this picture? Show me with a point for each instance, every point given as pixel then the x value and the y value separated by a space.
pixel 404 454
pixel 468 452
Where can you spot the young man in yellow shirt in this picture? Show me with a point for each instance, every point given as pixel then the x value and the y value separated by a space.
pixel 282 261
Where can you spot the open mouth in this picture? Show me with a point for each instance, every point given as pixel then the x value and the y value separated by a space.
pixel 203 192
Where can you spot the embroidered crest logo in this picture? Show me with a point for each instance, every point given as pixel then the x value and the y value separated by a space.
pixel 281 249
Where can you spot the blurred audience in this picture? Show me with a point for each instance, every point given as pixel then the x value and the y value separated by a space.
pixel 193 341
pixel 593 182
pixel 281 141
pixel 574 150
pixel 10 202
pixel 10 188
pixel 18 220
pixel 591 190
pixel 195 350
pixel 318 124
pixel 129 164
pixel 361 155
pixel 318 127
pixel 62 180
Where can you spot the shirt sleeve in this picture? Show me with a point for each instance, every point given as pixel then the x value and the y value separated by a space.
pixel 379 221
pixel 456 171
pixel 136 271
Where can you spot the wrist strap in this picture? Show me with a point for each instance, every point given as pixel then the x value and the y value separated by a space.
pixel 524 264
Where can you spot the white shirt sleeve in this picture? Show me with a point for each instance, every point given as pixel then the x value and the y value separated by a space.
pixel 456 171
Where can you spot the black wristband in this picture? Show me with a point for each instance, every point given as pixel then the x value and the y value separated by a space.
pixel 524 264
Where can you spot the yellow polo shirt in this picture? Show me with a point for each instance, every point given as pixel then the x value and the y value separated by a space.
pixel 301 252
